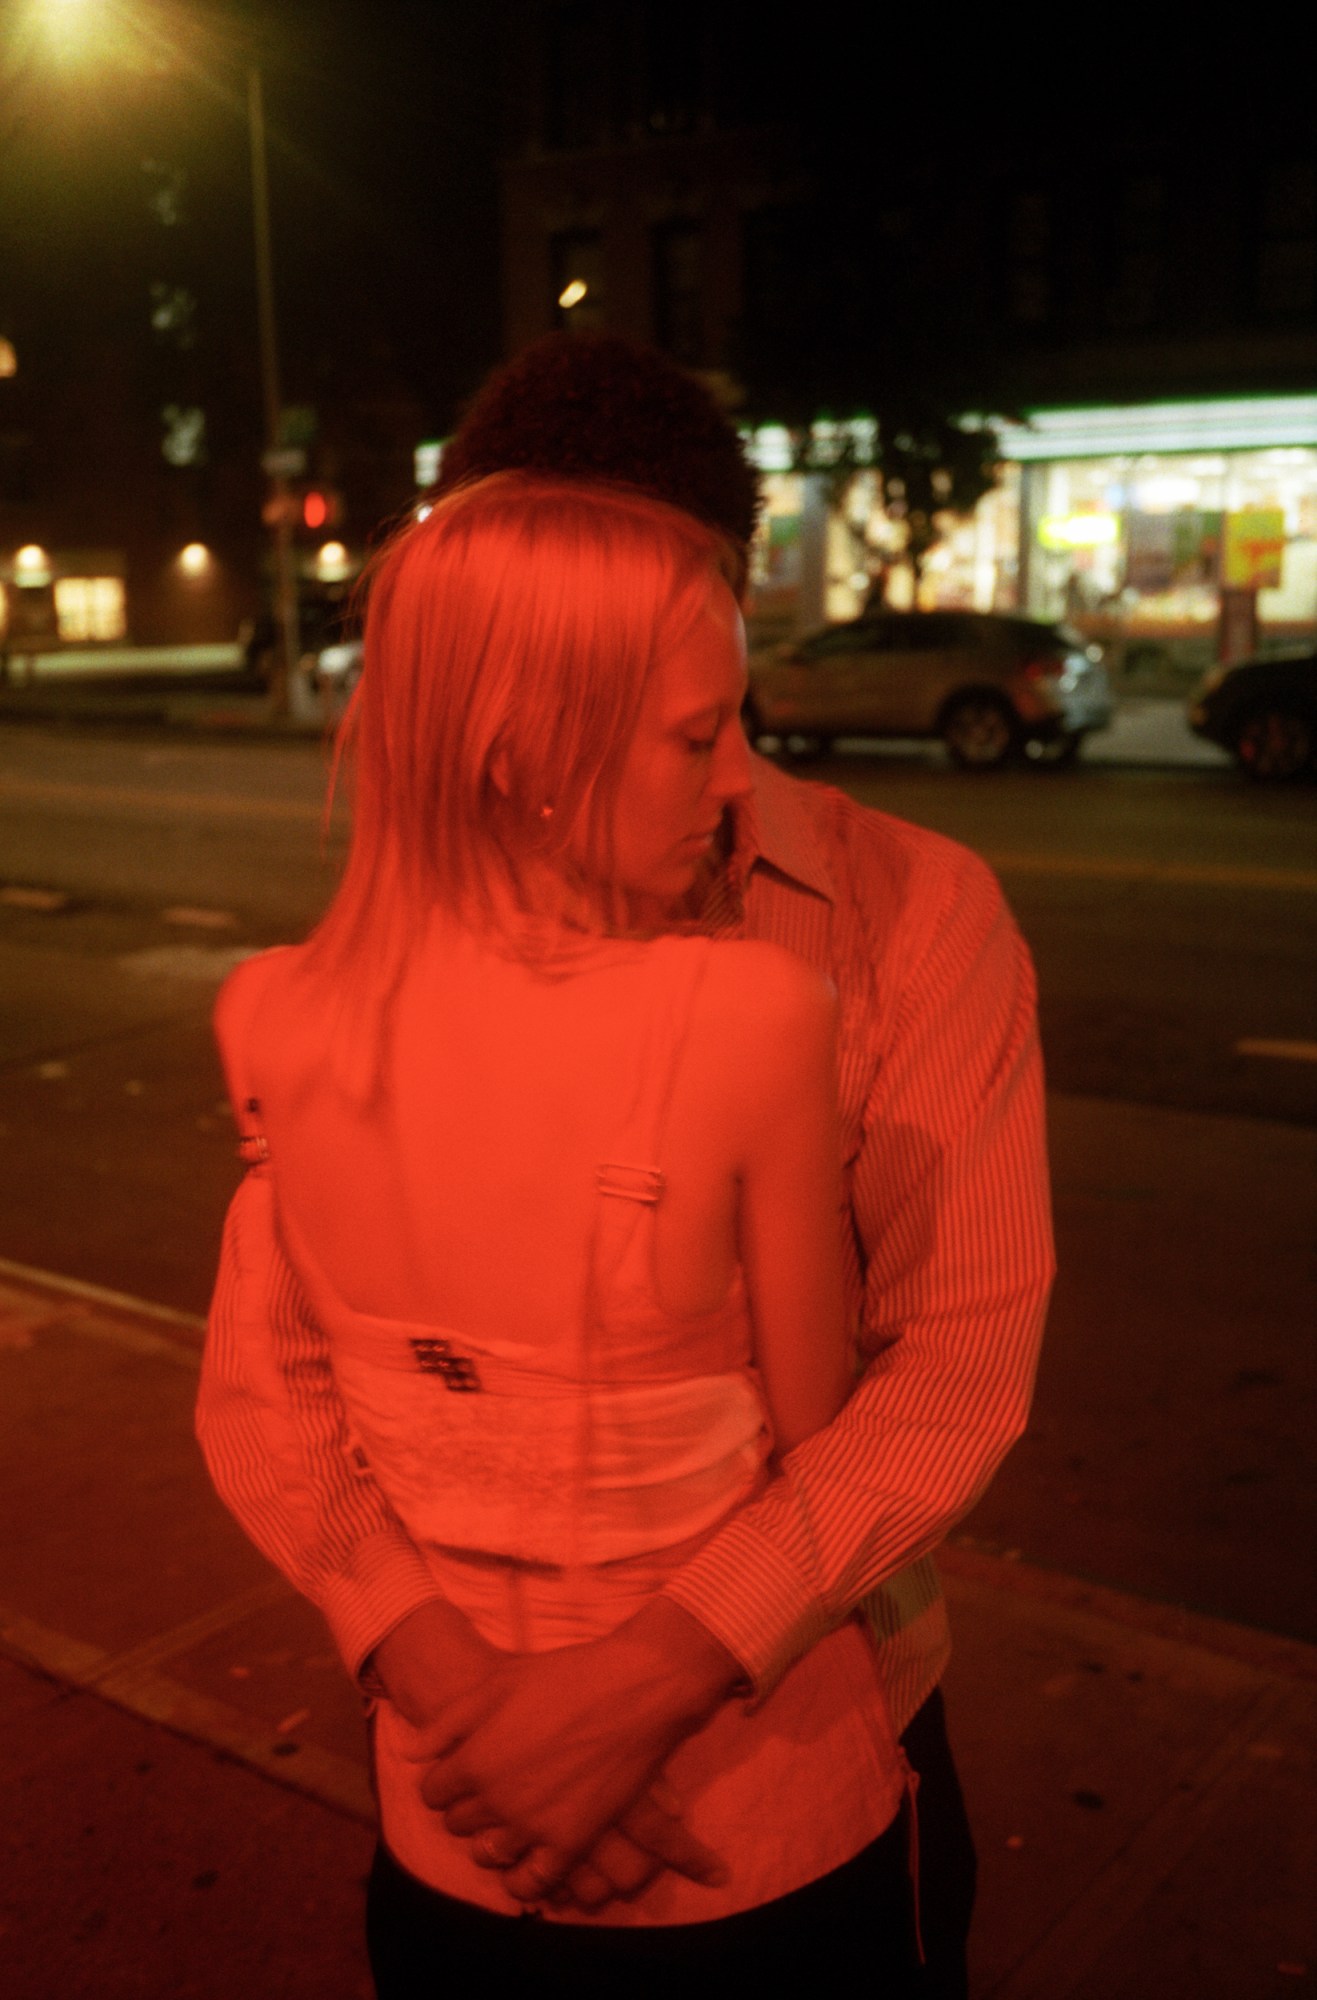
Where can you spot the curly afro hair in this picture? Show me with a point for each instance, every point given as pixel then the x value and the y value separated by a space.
pixel 599 407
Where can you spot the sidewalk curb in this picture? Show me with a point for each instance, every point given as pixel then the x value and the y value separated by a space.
pixel 1268 1653
pixel 1186 1724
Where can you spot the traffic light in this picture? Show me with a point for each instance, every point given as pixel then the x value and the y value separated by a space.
pixel 321 507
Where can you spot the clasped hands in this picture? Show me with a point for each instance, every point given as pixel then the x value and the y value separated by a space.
pixel 550 1763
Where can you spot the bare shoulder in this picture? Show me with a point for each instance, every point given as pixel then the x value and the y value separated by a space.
pixel 245 988
pixel 757 991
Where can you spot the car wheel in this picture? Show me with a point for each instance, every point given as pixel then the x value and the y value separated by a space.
pixel 1274 743
pixel 980 732
pixel 1055 752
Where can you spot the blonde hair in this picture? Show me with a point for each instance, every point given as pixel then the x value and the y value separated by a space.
pixel 509 637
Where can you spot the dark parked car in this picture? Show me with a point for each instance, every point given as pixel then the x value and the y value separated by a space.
pixel 1264 712
pixel 991 687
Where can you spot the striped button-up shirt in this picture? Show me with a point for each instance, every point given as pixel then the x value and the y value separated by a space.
pixel 948 1261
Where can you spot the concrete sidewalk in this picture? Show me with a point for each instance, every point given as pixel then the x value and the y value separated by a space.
pixel 188 1810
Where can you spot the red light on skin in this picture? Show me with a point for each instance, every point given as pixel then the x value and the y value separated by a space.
pixel 315 510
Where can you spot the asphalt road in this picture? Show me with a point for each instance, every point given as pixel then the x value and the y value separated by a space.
pixel 1172 918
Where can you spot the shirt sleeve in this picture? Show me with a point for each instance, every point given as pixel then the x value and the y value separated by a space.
pixel 952 1210
pixel 274 1434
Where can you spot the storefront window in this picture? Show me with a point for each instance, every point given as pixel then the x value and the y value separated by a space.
pixel 1135 549
pixel 1126 522
pixel 775 552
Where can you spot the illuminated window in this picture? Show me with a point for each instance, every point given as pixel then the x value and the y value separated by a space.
pixel 90 607
pixel 174 313
pixel 426 460
pixel 184 441
pixel 165 187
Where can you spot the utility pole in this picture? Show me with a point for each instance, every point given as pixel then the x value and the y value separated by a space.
pixel 276 460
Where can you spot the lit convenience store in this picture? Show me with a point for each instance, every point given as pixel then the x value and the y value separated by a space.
pixel 1173 534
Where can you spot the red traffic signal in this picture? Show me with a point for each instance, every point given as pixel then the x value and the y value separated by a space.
pixel 321 507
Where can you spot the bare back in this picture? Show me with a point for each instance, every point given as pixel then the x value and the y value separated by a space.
pixel 467 1199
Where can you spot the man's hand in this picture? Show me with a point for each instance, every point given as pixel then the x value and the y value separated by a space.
pixel 557 1750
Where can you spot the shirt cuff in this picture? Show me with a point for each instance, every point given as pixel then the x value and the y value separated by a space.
pixel 383 1581
pixel 744 1591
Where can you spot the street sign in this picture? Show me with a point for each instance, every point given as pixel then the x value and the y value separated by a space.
pixel 284 461
pixel 1255 547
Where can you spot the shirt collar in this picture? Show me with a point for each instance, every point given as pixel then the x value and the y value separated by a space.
pixel 774 828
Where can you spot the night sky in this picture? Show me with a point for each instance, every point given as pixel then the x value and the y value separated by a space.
pixel 385 132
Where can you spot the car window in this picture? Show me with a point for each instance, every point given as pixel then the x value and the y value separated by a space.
pixel 926 632
pixel 1031 635
pixel 855 637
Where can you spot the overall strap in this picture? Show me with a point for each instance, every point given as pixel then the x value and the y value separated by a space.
pixel 632 1171
pixel 235 1010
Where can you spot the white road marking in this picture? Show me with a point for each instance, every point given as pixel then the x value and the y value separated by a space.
pixel 1282 1051
pixel 186 961
pixel 198 919
pixel 19 898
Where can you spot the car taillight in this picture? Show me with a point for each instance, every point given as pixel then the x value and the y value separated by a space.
pixel 1043 670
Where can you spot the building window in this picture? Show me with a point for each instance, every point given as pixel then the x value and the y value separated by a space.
pixel 1029 299
pixel 678 249
pixel 1287 247
pixel 174 313
pixel 777 306
pixel 184 441
pixel 571 78
pixel 90 607
pixel 577 266
pixel 676 34
pixel 166 187
pixel 16 467
pixel 1134 292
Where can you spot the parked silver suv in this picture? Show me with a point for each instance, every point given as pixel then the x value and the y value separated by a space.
pixel 991 687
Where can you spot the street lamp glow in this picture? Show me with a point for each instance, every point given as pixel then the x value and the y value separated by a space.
pixel 194 560
pixel 571 295
pixel 332 563
pixel 31 562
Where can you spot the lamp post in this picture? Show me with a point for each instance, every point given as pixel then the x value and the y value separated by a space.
pixel 280 511
pixel 121 27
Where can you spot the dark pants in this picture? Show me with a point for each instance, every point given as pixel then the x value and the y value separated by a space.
pixel 857 1921
pixel 947 1864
